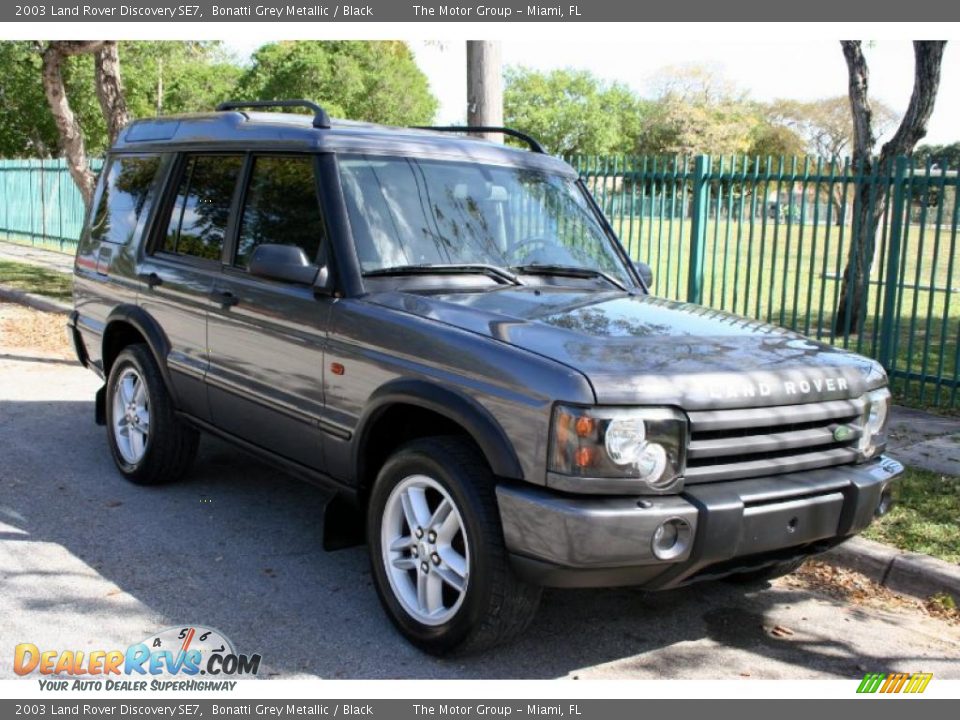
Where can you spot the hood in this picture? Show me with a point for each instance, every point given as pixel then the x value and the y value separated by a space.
pixel 638 349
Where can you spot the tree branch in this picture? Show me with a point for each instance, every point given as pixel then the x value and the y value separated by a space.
pixel 926 83
pixel 78 47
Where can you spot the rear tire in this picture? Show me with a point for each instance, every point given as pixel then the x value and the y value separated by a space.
pixel 436 546
pixel 772 572
pixel 149 444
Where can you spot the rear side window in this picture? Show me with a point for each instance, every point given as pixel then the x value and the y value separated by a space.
pixel 198 218
pixel 281 207
pixel 128 191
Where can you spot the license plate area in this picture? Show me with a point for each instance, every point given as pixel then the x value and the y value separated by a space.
pixel 786 524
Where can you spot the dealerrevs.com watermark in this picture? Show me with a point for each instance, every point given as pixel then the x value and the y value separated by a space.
pixel 172 659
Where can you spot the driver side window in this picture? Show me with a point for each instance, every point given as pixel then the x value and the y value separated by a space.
pixel 281 207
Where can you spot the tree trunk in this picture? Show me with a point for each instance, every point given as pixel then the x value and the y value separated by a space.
pixel 71 135
pixel 109 93
pixel 836 198
pixel 110 89
pixel 869 202
pixel 484 90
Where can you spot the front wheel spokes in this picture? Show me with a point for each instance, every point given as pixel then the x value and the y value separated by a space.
pixel 429 593
pixel 424 549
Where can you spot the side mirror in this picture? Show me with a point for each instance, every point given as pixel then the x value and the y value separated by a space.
pixel 645 272
pixel 286 263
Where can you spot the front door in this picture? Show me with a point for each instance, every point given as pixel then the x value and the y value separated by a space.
pixel 266 337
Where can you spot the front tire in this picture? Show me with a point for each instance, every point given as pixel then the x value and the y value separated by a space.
pixel 149 444
pixel 436 546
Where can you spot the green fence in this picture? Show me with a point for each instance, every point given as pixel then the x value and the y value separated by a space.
pixel 40 204
pixel 765 238
pixel 769 239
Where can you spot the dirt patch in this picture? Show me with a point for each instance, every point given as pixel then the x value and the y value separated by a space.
pixel 853 587
pixel 23 328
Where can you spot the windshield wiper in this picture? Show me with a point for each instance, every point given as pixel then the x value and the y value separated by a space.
pixel 499 274
pixel 569 271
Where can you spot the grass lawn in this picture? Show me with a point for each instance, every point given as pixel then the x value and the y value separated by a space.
pixel 927 518
pixel 34 279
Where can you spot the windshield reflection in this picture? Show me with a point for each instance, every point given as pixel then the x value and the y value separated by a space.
pixel 409 212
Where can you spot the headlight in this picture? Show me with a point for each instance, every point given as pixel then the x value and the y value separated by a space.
pixel 873 423
pixel 633 449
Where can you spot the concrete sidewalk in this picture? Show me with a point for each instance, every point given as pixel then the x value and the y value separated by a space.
pixel 925 441
pixel 61 262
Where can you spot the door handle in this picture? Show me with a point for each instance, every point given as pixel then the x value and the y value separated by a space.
pixel 224 298
pixel 151 279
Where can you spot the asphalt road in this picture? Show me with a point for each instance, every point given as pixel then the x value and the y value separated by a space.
pixel 88 561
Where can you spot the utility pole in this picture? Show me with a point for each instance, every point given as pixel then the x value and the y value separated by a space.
pixel 484 87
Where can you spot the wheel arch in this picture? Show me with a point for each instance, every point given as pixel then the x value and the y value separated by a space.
pixel 455 407
pixel 127 324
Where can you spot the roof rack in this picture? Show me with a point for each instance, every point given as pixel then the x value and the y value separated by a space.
pixel 535 146
pixel 320 117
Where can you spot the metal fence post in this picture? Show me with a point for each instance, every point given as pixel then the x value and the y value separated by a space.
pixel 892 274
pixel 699 215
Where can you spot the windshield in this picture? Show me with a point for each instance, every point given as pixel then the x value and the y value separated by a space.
pixel 414 212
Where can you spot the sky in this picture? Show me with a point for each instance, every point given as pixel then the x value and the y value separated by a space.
pixel 796 70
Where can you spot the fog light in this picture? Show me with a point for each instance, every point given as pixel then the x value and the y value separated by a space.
pixel 671 538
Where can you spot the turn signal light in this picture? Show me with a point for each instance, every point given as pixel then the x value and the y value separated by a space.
pixel 585 426
pixel 584 457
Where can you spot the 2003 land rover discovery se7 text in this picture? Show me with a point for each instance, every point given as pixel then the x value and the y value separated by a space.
pixel 447 334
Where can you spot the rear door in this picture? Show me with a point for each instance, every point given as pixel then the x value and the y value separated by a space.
pixel 267 337
pixel 184 259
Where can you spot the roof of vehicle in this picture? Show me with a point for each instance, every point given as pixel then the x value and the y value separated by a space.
pixel 276 131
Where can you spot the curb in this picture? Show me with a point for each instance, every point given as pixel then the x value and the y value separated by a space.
pixel 37 302
pixel 904 572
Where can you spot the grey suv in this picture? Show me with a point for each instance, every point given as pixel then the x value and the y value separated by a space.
pixel 447 335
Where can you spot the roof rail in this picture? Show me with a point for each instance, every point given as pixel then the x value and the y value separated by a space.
pixel 535 146
pixel 320 117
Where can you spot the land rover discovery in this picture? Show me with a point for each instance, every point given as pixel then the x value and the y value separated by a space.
pixel 447 335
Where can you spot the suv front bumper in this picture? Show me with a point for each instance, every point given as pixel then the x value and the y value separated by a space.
pixel 595 541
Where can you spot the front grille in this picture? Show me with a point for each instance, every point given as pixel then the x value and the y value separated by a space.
pixel 745 443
